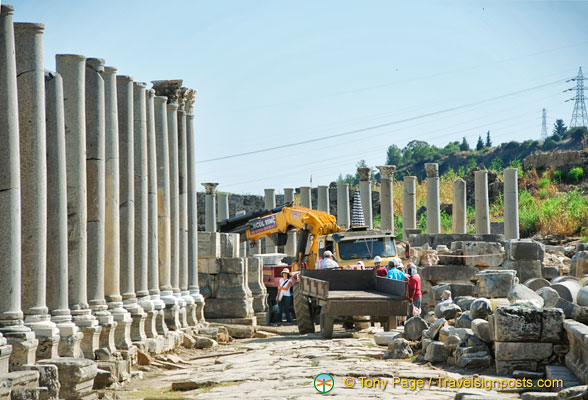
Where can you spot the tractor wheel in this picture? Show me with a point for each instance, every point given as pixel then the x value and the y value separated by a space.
pixel 302 310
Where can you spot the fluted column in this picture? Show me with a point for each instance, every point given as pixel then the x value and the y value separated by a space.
pixel 19 336
pixel 408 205
pixel 306 196
pixel 112 215
pixel 223 207
pixel 343 213
pixel 152 229
pixel 193 213
pixel 124 91
pixel 511 204
pixel 57 288
pixel 387 197
pixel 163 216
pixel 72 70
pixel 365 191
pixel 323 199
pixel 433 203
pixel 210 205
pixel 270 202
pixel 291 243
pixel 33 176
pixel 481 202
pixel 459 219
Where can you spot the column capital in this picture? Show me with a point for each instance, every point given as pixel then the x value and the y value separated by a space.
pixel 364 173
pixel 108 69
pixel 6 9
pixel 480 172
pixel 387 171
pixel 150 93
pixel 97 64
pixel 28 26
pixel 432 170
pixel 210 187
pixel 140 85
pixel 188 98
pixel 168 88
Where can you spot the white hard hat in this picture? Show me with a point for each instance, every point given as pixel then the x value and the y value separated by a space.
pixel 328 253
pixel 377 259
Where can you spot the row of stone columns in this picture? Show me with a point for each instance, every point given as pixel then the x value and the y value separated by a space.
pixel 97 204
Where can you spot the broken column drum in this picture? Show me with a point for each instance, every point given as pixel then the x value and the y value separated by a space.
pixel 72 70
pixel 323 199
pixel 20 337
pixel 459 219
pixel 511 204
pixel 408 205
pixel 305 196
pixel 223 206
pixel 343 213
pixel 433 202
pixel 33 175
pixel 210 206
pixel 387 197
pixel 482 205
pixel 365 191
pixel 270 203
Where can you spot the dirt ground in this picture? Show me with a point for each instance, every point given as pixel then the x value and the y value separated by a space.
pixel 284 366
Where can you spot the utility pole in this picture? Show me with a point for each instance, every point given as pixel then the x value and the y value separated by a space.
pixel 544 125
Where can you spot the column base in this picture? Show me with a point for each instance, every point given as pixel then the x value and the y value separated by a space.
pixel 191 319
pixel 151 315
pixel 24 347
pixel 172 310
pixel 130 354
pixel 46 333
pixel 107 336
pixel 182 310
pixel 91 340
pixel 5 350
pixel 160 326
pixel 138 336
pixel 48 347
pixel 122 332
pixel 199 302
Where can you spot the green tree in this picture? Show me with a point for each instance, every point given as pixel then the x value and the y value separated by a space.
pixel 480 144
pixel 578 133
pixel 464 146
pixel 394 155
pixel 559 128
pixel 488 140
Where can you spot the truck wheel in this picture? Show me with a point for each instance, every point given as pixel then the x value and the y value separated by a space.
pixel 302 310
pixel 326 324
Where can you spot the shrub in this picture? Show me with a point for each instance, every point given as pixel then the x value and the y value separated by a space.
pixel 557 176
pixel 576 174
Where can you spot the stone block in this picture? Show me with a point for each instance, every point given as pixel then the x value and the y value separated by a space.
pixel 229 243
pixel 209 245
pixel 567 290
pixel 76 377
pixel 496 282
pixel 517 324
pixel 506 368
pixel 414 327
pixel 22 384
pixel 483 254
pixel 48 378
pixel 523 296
pixel 228 308
pixel 552 325
pixel 209 265
pixel 579 264
pixel 385 338
pixel 509 351
pixel 436 352
pixel 475 360
pixel 549 272
pixel 464 320
pixel 233 265
pixel 5 351
pixel 447 239
pixel 549 296
pixel 481 328
pixel 492 327
pixel 435 327
pixel 480 308
pixel 524 249
pixel 447 310
pixel 449 273
pixel 526 269
pixel 577 358
pixel 464 302
pixel 398 349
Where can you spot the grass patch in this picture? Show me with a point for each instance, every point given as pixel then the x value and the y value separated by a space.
pixel 369 344
pixel 228 366
pixel 314 363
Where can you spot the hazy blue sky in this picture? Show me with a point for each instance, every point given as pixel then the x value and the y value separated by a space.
pixel 273 72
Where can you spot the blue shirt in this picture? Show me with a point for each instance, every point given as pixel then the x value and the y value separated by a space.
pixel 396 274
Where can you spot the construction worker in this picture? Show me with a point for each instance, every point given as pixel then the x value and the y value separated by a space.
pixel 380 269
pixel 327 262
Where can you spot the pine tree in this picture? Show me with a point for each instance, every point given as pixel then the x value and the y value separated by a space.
pixel 464 146
pixel 488 140
pixel 480 144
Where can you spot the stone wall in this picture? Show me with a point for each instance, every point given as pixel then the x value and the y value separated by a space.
pixel 557 159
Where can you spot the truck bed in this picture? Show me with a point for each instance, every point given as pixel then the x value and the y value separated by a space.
pixel 361 295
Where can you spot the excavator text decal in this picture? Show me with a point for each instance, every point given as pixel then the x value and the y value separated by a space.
pixel 262 224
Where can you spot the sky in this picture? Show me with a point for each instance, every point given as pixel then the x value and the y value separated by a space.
pixel 349 78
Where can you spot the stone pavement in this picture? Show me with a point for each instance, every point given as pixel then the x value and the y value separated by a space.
pixel 284 367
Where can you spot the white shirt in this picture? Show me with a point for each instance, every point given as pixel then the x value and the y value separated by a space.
pixel 285 292
pixel 327 263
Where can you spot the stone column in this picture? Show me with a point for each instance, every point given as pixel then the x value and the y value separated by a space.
pixel 291 244
pixel 223 207
pixel 57 290
pixel 408 205
pixel 190 311
pixel 343 214
pixel 163 217
pixel 306 196
pixel 33 177
pixel 124 93
pixel 152 229
pixel 481 202
pixel 323 199
pixel 387 197
pixel 72 70
pixel 511 204
pixel 141 191
pixel 270 202
pixel 112 215
pixel 365 191
pixel 193 213
pixel 459 218
pixel 95 172
pixel 22 339
pixel 210 211
pixel 433 203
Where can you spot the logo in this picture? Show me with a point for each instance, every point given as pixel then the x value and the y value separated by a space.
pixel 324 383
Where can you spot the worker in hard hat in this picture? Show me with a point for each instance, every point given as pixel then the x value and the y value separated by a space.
pixel 380 269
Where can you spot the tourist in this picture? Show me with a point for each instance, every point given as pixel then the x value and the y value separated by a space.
pixel 414 290
pixel 360 265
pixel 327 262
pixel 446 297
pixel 284 297
pixel 380 269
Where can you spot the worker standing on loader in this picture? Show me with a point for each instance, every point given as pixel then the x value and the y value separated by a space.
pixel 327 262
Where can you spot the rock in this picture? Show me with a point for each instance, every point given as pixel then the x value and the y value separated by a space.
pixel 552 325
pixel 462 333
pixel 203 342
pixel 526 270
pixel 464 320
pixel 436 352
pixel 188 341
pixel 414 327
pixel 430 317
pixel 143 358
pixel 481 328
pixel 582 297
pixel 549 296
pixel 435 328
pixel 518 374
pixel 102 354
pixel 539 396
pixel 192 384
pixel 480 308
pixel 443 333
pixel 573 393
pixel 523 296
pixel 579 264
pixel 524 249
pixel 568 308
pixel 76 376
pixel 483 254
pixel 549 272
pixel 385 338
pixel 537 283
pixel 264 335
pixel 211 332
pixel 399 348
pixel 506 368
pixel 452 341
pixel 48 378
pixel 517 324
pixel 580 314
pixel 464 302
pixel 507 351
pixel 103 379
pixel 475 360
pixel 447 310
pixel 240 331
pixel 475 341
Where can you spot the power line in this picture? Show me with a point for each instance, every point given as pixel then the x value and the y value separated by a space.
pixel 370 128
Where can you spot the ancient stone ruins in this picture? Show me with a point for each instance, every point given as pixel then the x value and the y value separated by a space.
pixel 102 265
